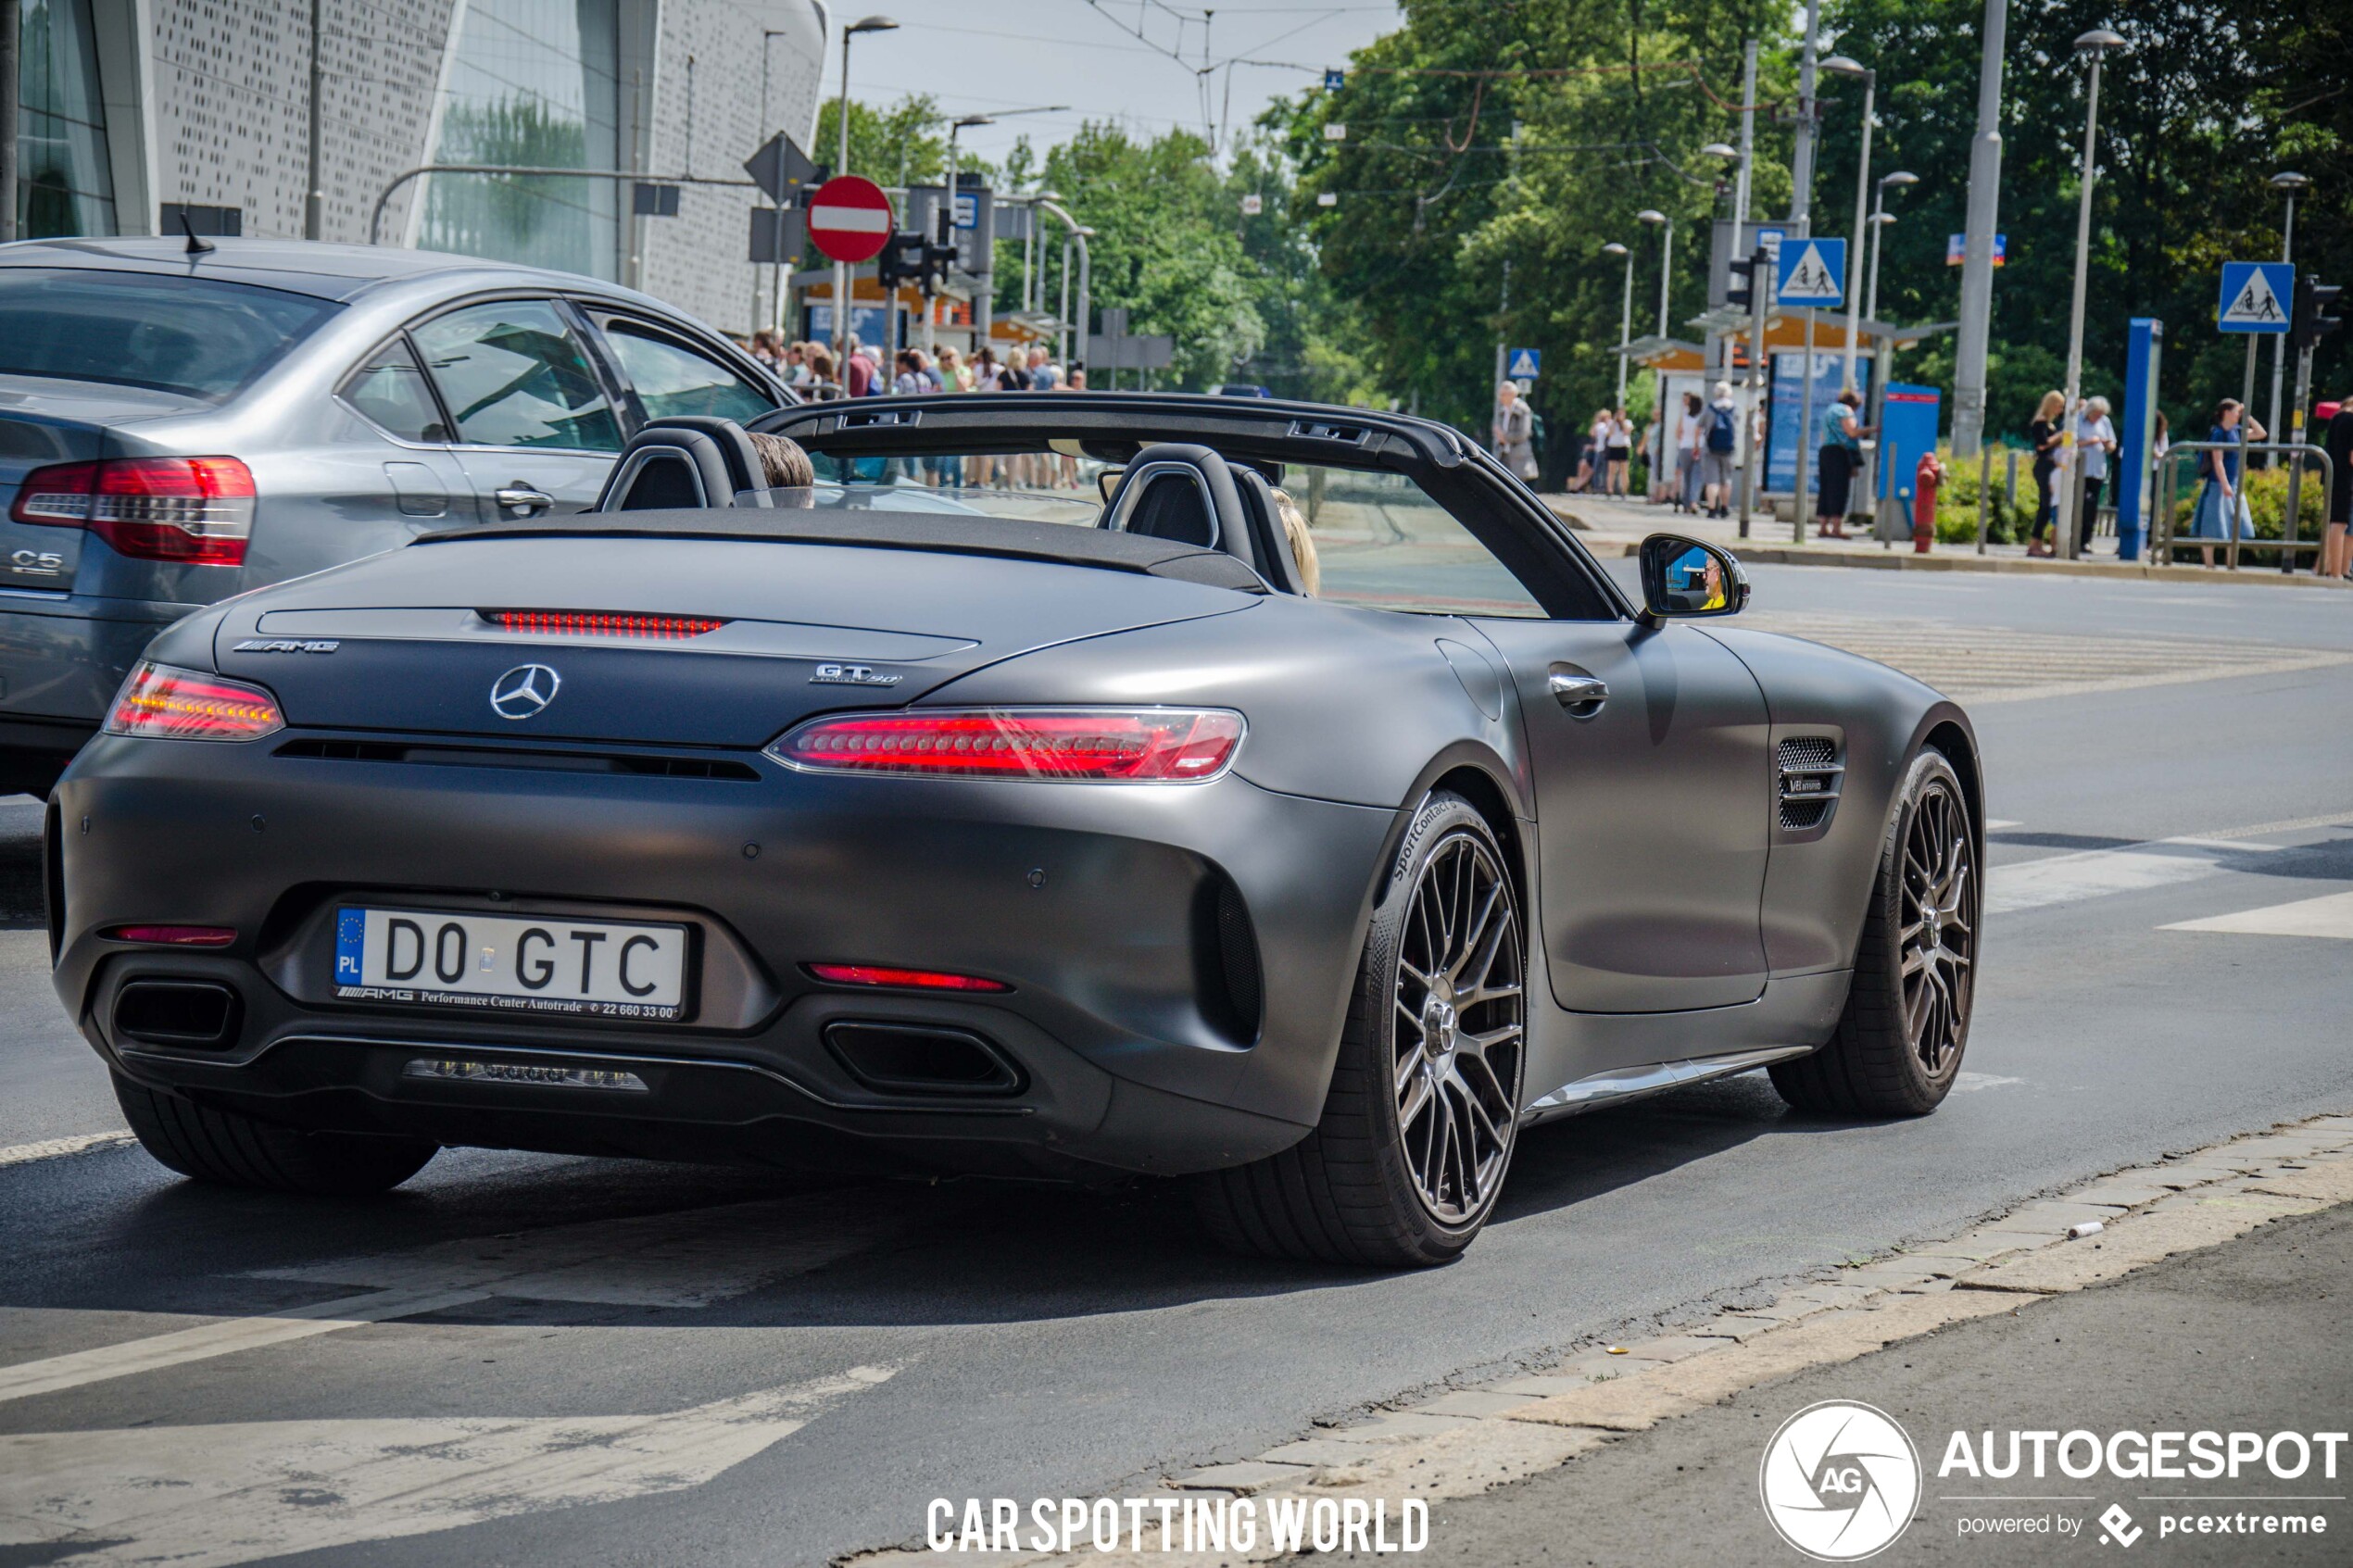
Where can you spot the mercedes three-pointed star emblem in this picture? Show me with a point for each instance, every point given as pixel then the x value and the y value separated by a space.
pixel 523 691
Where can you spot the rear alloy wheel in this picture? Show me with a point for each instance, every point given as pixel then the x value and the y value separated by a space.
pixel 228 1149
pixel 1899 1042
pixel 1422 1115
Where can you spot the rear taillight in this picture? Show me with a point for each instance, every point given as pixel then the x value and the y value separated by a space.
pixel 162 703
pixel 195 510
pixel 172 935
pixel 903 979
pixel 602 623
pixel 1080 744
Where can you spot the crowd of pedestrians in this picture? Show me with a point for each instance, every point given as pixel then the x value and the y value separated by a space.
pixel 812 370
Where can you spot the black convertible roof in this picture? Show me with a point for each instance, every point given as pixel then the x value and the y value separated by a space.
pixel 938 533
pixel 1113 425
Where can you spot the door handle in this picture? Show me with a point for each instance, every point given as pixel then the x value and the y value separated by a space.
pixel 1581 695
pixel 523 498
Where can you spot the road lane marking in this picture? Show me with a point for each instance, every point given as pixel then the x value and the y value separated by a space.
pixel 205 1497
pixel 689 1260
pixel 226 1337
pixel 1963 1083
pixel 2096 873
pixel 2331 915
pixel 56 1148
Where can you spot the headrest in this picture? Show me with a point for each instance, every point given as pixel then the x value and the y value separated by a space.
pixel 684 461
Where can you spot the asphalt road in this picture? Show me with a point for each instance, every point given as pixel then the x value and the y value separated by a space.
pixel 563 1360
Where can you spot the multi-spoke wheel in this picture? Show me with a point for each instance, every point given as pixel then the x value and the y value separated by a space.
pixel 1938 898
pixel 1419 1122
pixel 1898 1044
pixel 1459 1028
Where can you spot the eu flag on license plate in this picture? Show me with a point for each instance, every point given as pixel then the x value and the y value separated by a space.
pixel 351 937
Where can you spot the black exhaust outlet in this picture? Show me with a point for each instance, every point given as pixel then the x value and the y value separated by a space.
pixel 185 1014
pixel 915 1059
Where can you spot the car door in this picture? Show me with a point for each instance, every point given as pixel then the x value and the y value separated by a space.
pixel 1654 800
pixel 411 464
pixel 666 372
pixel 536 422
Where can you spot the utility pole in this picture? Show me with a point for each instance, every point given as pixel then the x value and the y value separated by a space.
pixel 2288 185
pixel 1801 167
pixel 2095 45
pixel 9 78
pixel 1740 182
pixel 314 194
pixel 1504 307
pixel 1977 259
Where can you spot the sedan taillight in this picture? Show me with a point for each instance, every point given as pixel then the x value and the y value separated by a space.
pixel 162 703
pixel 1082 745
pixel 195 510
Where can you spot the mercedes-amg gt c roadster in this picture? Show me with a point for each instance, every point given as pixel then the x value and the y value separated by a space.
pixel 1271 796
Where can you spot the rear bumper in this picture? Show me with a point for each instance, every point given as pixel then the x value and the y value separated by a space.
pixel 1098 906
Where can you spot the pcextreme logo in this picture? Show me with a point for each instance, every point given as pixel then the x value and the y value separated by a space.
pixel 1840 1480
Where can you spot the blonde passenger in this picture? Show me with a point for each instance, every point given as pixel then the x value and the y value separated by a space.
pixel 1302 544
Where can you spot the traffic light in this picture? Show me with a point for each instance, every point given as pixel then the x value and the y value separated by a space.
pixel 1741 291
pixel 902 259
pixel 2310 320
pixel 936 261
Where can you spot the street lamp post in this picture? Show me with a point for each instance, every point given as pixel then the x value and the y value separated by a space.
pixel 946 223
pixel 1666 227
pixel 1880 366
pixel 1625 319
pixel 2291 185
pixel 1841 65
pixel 2095 44
pixel 841 269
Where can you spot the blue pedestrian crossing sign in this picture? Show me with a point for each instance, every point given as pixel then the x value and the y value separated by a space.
pixel 1524 364
pixel 2255 296
pixel 1812 273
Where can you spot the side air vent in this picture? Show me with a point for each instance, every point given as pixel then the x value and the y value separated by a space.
pixel 1811 776
pixel 1225 961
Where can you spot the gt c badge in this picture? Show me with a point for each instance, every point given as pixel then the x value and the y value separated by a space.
pixel 850 675
pixel 523 691
pixel 287 644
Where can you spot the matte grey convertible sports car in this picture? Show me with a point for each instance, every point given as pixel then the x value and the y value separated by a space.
pixel 1270 795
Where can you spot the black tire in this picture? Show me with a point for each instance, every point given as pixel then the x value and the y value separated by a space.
pixel 1373 1184
pixel 229 1150
pixel 1899 1042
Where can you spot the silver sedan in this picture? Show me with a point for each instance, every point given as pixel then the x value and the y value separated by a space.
pixel 179 426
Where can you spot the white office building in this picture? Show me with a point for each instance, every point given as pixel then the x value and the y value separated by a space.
pixel 138 114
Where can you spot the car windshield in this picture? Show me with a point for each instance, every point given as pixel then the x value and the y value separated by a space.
pixel 1365 537
pixel 198 336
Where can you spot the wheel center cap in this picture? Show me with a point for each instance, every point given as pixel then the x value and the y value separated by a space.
pixel 1439 1033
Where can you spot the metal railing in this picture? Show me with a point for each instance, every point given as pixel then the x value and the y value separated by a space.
pixel 2163 539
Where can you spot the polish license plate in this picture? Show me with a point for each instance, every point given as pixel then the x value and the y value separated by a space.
pixel 596 969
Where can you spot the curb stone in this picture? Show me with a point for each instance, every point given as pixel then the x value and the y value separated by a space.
pixel 1471 1439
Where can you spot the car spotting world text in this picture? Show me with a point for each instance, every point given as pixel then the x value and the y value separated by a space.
pixel 1177 1524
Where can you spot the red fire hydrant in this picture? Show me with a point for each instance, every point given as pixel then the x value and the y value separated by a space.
pixel 1925 479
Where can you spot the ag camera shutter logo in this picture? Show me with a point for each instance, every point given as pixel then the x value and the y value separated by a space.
pixel 1839 1481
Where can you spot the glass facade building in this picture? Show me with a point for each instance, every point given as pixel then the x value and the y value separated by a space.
pixel 534 83
pixel 64 185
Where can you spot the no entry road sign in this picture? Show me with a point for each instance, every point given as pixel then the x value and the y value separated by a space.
pixel 850 218
pixel 2255 296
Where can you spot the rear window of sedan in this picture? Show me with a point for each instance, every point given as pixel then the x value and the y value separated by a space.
pixel 198 336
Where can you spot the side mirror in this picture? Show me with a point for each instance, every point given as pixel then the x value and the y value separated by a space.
pixel 1684 579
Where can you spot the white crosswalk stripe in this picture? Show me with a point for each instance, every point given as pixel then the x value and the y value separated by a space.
pixel 205 1497
pixel 2328 916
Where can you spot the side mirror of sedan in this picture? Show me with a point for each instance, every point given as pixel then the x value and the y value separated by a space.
pixel 1684 579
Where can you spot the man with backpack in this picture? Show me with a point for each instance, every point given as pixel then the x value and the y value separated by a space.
pixel 1722 425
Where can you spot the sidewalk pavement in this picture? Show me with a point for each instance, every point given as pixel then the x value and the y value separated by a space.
pixel 1611 526
pixel 2248 1337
